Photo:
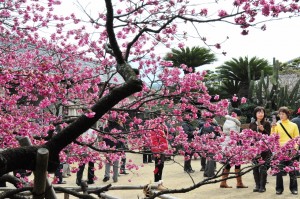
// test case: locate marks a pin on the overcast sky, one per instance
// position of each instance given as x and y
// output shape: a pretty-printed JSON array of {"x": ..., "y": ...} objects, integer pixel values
[{"x": 281, "y": 39}]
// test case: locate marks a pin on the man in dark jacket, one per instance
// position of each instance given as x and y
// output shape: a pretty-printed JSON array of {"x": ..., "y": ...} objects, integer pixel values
[
  {"x": 208, "y": 166},
  {"x": 189, "y": 130},
  {"x": 87, "y": 137},
  {"x": 114, "y": 143}
]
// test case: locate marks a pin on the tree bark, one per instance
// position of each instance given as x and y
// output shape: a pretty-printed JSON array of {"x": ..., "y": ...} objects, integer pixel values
[{"x": 25, "y": 157}]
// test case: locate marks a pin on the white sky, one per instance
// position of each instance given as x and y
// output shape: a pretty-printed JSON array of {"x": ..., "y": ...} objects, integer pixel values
[{"x": 281, "y": 39}]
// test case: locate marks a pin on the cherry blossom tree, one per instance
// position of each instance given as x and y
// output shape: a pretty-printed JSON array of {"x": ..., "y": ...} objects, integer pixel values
[{"x": 50, "y": 62}]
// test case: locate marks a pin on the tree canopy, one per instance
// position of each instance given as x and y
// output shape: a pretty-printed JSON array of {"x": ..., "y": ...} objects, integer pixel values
[{"x": 53, "y": 64}]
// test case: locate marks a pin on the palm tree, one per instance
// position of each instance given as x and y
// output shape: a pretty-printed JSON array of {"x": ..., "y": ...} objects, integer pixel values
[
  {"x": 194, "y": 57},
  {"x": 242, "y": 71}
]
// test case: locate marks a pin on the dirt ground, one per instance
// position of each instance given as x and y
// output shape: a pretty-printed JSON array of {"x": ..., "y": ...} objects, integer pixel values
[{"x": 175, "y": 178}]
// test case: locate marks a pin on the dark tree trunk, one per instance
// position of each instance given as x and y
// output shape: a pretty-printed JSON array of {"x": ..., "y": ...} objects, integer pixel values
[
  {"x": 244, "y": 90},
  {"x": 25, "y": 157}
]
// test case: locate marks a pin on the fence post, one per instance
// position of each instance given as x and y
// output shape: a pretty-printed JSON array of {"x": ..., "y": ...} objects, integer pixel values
[
  {"x": 50, "y": 193},
  {"x": 40, "y": 173}
]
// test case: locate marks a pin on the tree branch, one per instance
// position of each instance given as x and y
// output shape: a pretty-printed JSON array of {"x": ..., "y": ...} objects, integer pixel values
[{"x": 111, "y": 34}]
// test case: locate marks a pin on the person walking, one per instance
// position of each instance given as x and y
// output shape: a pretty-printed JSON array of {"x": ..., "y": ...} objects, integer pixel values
[
  {"x": 232, "y": 123},
  {"x": 91, "y": 173},
  {"x": 66, "y": 170},
  {"x": 159, "y": 145},
  {"x": 88, "y": 137},
  {"x": 208, "y": 125},
  {"x": 58, "y": 175},
  {"x": 122, "y": 146},
  {"x": 286, "y": 130},
  {"x": 262, "y": 126},
  {"x": 114, "y": 126},
  {"x": 189, "y": 129}
]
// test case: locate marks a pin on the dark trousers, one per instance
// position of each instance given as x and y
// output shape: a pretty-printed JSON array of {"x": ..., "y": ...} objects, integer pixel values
[
  {"x": 210, "y": 166},
  {"x": 203, "y": 162},
  {"x": 159, "y": 166},
  {"x": 90, "y": 172},
  {"x": 2, "y": 184},
  {"x": 147, "y": 158},
  {"x": 187, "y": 161},
  {"x": 58, "y": 173},
  {"x": 260, "y": 173},
  {"x": 123, "y": 164},
  {"x": 235, "y": 167},
  {"x": 293, "y": 178}
]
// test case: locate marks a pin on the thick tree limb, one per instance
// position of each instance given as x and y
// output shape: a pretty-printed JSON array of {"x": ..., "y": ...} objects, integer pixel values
[
  {"x": 25, "y": 157},
  {"x": 111, "y": 34}
]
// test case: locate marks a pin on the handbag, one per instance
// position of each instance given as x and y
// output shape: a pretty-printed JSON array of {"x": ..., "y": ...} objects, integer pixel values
[{"x": 285, "y": 131}]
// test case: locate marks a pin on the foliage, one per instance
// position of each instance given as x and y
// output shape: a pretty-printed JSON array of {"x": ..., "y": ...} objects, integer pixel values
[
  {"x": 213, "y": 84},
  {"x": 247, "y": 110},
  {"x": 191, "y": 57},
  {"x": 291, "y": 67},
  {"x": 271, "y": 93},
  {"x": 239, "y": 72}
]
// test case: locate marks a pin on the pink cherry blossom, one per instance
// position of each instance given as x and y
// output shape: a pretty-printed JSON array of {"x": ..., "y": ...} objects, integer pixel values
[
  {"x": 243, "y": 100},
  {"x": 234, "y": 98},
  {"x": 90, "y": 114}
]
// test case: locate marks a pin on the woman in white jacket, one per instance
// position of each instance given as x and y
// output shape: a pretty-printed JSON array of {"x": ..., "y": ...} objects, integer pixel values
[{"x": 232, "y": 123}]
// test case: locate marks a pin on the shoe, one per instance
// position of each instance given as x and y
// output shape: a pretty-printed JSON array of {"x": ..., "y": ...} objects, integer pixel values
[
  {"x": 256, "y": 189},
  {"x": 150, "y": 162},
  {"x": 206, "y": 176},
  {"x": 202, "y": 169},
  {"x": 190, "y": 171},
  {"x": 90, "y": 182},
  {"x": 294, "y": 192},
  {"x": 124, "y": 172},
  {"x": 279, "y": 192},
  {"x": 262, "y": 190},
  {"x": 78, "y": 182},
  {"x": 62, "y": 182},
  {"x": 161, "y": 187},
  {"x": 115, "y": 180},
  {"x": 65, "y": 176},
  {"x": 105, "y": 179}
]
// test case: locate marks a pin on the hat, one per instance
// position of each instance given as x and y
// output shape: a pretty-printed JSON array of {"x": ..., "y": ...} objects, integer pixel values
[
  {"x": 237, "y": 111},
  {"x": 298, "y": 111}
]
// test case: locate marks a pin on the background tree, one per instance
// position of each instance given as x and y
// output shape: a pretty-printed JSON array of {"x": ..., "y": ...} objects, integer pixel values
[
  {"x": 192, "y": 57},
  {"x": 291, "y": 67},
  {"x": 241, "y": 71}
]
